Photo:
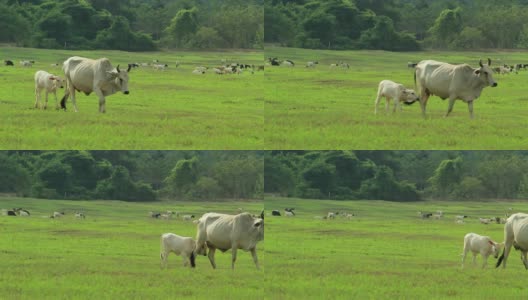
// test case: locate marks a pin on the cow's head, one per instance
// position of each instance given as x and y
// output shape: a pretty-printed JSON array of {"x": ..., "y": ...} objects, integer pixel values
[
  {"x": 485, "y": 73},
  {"x": 495, "y": 248},
  {"x": 409, "y": 96},
  {"x": 121, "y": 78}
]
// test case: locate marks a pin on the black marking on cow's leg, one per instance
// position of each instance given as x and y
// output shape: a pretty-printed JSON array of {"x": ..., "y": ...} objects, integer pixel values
[
  {"x": 63, "y": 102},
  {"x": 193, "y": 260},
  {"x": 500, "y": 259}
]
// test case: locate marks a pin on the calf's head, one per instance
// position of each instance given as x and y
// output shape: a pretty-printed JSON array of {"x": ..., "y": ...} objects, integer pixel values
[
  {"x": 409, "y": 96},
  {"x": 495, "y": 248}
]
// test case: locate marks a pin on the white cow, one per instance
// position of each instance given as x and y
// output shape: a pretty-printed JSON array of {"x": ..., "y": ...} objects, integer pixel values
[
  {"x": 26, "y": 63},
  {"x": 57, "y": 214},
  {"x": 160, "y": 67},
  {"x": 516, "y": 235},
  {"x": 198, "y": 72},
  {"x": 394, "y": 91},
  {"x": 98, "y": 76},
  {"x": 452, "y": 81},
  {"x": 485, "y": 220},
  {"x": 331, "y": 215},
  {"x": 311, "y": 64},
  {"x": 183, "y": 246},
  {"x": 289, "y": 214},
  {"x": 48, "y": 82},
  {"x": 224, "y": 232},
  {"x": 480, "y": 244},
  {"x": 80, "y": 215},
  {"x": 187, "y": 217}
]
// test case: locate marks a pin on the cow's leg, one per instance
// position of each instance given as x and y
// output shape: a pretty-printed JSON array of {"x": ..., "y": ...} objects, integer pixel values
[
  {"x": 56, "y": 100},
  {"x": 211, "y": 257},
  {"x": 46, "y": 104},
  {"x": 484, "y": 260},
  {"x": 525, "y": 262},
  {"x": 470, "y": 108},
  {"x": 423, "y": 101},
  {"x": 474, "y": 259},
  {"x": 255, "y": 258},
  {"x": 102, "y": 105},
  {"x": 163, "y": 263},
  {"x": 37, "y": 96},
  {"x": 464, "y": 256},
  {"x": 376, "y": 103},
  {"x": 72, "y": 92},
  {"x": 233, "y": 257},
  {"x": 184, "y": 260},
  {"x": 450, "y": 108}
]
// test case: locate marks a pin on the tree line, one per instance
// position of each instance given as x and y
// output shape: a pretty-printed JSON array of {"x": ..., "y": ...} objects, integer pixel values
[
  {"x": 132, "y": 25},
  {"x": 397, "y": 175},
  {"x": 397, "y": 25},
  {"x": 132, "y": 175}
]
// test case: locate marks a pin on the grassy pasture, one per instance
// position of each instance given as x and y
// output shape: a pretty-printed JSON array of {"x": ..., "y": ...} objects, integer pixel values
[
  {"x": 114, "y": 253},
  {"x": 385, "y": 252},
  {"x": 170, "y": 109},
  {"x": 323, "y": 108}
]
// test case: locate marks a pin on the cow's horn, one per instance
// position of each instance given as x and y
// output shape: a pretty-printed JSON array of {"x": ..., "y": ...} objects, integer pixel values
[
  {"x": 480, "y": 63},
  {"x": 489, "y": 61},
  {"x": 117, "y": 68},
  {"x": 129, "y": 67},
  {"x": 262, "y": 214}
]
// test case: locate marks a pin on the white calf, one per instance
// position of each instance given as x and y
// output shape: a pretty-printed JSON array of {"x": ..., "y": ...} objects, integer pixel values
[
  {"x": 26, "y": 63},
  {"x": 480, "y": 244},
  {"x": 49, "y": 83},
  {"x": 184, "y": 246},
  {"x": 394, "y": 91},
  {"x": 187, "y": 217}
]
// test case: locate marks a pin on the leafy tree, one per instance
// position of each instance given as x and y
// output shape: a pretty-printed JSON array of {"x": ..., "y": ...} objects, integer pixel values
[{"x": 446, "y": 176}]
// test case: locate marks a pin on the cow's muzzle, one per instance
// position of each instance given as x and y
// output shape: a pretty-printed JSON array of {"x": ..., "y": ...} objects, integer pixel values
[
  {"x": 126, "y": 92},
  {"x": 494, "y": 84}
]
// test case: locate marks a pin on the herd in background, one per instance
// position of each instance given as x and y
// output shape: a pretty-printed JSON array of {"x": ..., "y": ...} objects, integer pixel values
[
  {"x": 290, "y": 212},
  {"x": 461, "y": 219},
  {"x": 20, "y": 212}
]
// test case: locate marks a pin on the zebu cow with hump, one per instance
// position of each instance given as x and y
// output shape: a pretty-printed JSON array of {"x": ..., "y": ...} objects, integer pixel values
[
  {"x": 224, "y": 232},
  {"x": 98, "y": 76},
  {"x": 516, "y": 235},
  {"x": 452, "y": 81}
]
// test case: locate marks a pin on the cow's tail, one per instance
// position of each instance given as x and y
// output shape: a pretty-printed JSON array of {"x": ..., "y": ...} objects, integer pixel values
[
  {"x": 415, "y": 87},
  {"x": 162, "y": 258},
  {"x": 500, "y": 258}
]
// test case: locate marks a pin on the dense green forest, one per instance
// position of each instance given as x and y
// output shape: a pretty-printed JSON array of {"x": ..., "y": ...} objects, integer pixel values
[
  {"x": 397, "y": 175},
  {"x": 134, "y": 25},
  {"x": 133, "y": 175},
  {"x": 397, "y": 24}
]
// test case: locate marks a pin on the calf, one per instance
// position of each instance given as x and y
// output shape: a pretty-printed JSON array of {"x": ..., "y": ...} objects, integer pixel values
[
  {"x": 480, "y": 244},
  {"x": 179, "y": 245},
  {"x": 392, "y": 90},
  {"x": 48, "y": 82}
]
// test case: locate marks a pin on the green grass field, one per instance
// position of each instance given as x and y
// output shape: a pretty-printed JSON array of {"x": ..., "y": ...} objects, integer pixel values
[
  {"x": 114, "y": 253},
  {"x": 323, "y": 108},
  {"x": 173, "y": 109},
  {"x": 385, "y": 252}
]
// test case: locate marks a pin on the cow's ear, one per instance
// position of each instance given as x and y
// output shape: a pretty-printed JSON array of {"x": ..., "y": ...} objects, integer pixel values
[
  {"x": 117, "y": 68},
  {"x": 129, "y": 67},
  {"x": 491, "y": 243}
]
